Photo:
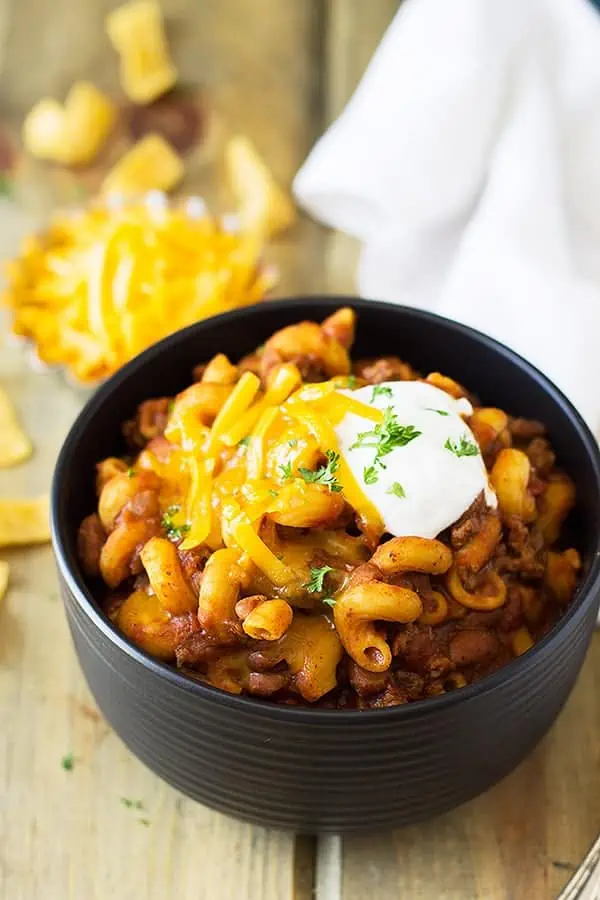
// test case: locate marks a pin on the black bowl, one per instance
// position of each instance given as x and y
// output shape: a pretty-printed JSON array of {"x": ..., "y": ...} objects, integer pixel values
[{"x": 327, "y": 770}]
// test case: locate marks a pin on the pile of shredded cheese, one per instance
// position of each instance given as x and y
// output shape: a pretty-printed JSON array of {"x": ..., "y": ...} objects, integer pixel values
[{"x": 102, "y": 284}]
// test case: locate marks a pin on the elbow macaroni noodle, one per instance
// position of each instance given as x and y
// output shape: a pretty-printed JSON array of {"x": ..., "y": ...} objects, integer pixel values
[{"x": 236, "y": 543}]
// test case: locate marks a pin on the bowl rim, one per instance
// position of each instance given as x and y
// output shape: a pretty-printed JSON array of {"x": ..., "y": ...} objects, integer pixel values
[{"x": 85, "y": 600}]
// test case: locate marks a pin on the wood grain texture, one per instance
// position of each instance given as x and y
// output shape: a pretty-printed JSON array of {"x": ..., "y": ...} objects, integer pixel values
[
  {"x": 67, "y": 834},
  {"x": 523, "y": 839},
  {"x": 278, "y": 70}
]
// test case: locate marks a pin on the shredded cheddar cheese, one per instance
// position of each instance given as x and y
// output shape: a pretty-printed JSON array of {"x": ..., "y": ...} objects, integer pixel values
[
  {"x": 249, "y": 454},
  {"x": 260, "y": 554},
  {"x": 256, "y": 450},
  {"x": 100, "y": 285},
  {"x": 326, "y": 437},
  {"x": 236, "y": 404},
  {"x": 199, "y": 510},
  {"x": 286, "y": 379}
]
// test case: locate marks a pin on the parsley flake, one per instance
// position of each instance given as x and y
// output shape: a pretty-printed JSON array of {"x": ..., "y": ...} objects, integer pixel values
[
  {"x": 370, "y": 475},
  {"x": 317, "y": 577},
  {"x": 381, "y": 390},
  {"x": 329, "y": 601},
  {"x": 131, "y": 472},
  {"x": 325, "y": 474},
  {"x": 440, "y": 412},
  {"x": 144, "y": 821},
  {"x": 464, "y": 447},
  {"x": 244, "y": 441},
  {"x": 386, "y": 436},
  {"x": 174, "y": 532},
  {"x": 170, "y": 406},
  {"x": 132, "y": 804},
  {"x": 293, "y": 442},
  {"x": 286, "y": 471},
  {"x": 352, "y": 381},
  {"x": 67, "y": 762},
  {"x": 273, "y": 493},
  {"x": 396, "y": 489}
]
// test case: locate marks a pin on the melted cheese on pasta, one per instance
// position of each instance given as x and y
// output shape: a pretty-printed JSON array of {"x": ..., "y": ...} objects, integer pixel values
[{"x": 223, "y": 482}]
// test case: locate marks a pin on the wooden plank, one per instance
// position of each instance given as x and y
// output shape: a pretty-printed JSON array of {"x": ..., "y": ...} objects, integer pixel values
[
  {"x": 67, "y": 834},
  {"x": 524, "y": 838}
]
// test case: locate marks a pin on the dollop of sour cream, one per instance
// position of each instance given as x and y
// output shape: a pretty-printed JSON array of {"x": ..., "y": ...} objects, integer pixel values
[{"x": 423, "y": 469}]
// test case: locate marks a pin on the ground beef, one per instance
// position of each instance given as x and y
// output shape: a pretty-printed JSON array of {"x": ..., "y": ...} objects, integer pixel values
[
  {"x": 541, "y": 456},
  {"x": 386, "y": 368},
  {"x": 525, "y": 429},
  {"x": 469, "y": 523},
  {"x": 198, "y": 649},
  {"x": 90, "y": 540},
  {"x": 523, "y": 552},
  {"x": 149, "y": 422}
]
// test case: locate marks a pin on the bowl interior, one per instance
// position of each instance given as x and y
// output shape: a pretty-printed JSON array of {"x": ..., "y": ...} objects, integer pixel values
[{"x": 495, "y": 374}]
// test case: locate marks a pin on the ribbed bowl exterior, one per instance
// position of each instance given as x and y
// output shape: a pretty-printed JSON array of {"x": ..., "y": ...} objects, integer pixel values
[{"x": 319, "y": 770}]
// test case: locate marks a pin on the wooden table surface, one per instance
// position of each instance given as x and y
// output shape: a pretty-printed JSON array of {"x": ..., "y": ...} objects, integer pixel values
[{"x": 278, "y": 70}]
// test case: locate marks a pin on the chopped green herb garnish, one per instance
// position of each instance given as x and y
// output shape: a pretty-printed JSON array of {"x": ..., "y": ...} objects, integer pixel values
[
  {"x": 386, "y": 436},
  {"x": 293, "y": 443},
  {"x": 144, "y": 821},
  {"x": 464, "y": 447},
  {"x": 273, "y": 493},
  {"x": 244, "y": 441},
  {"x": 67, "y": 762},
  {"x": 440, "y": 412},
  {"x": 131, "y": 472},
  {"x": 396, "y": 489},
  {"x": 329, "y": 601},
  {"x": 317, "y": 577},
  {"x": 325, "y": 474},
  {"x": 171, "y": 406},
  {"x": 286, "y": 471},
  {"x": 260, "y": 348},
  {"x": 352, "y": 381},
  {"x": 174, "y": 532},
  {"x": 132, "y": 804},
  {"x": 381, "y": 390},
  {"x": 370, "y": 475}
]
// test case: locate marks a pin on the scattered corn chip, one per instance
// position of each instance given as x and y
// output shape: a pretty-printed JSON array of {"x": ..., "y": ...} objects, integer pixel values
[
  {"x": 90, "y": 118},
  {"x": 45, "y": 133},
  {"x": 71, "y": 134},
  {"x": 15, "y": 446},
  {"x": 263, "y": 205},
  {"x": 100, "y": 286},
  {"x": 136, "y": 31},
  {"x": 4, "y": 572},
  {"x": 24, "y": 521},
  {"x": 149, "y": 165}
]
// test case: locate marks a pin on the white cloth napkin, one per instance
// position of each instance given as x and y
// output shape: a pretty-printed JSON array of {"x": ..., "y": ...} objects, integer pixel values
[{"x": 468, "y": 164}]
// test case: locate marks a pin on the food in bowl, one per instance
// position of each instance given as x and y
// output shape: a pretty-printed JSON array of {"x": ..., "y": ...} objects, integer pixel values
[{"x": 315, "y": 531}]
